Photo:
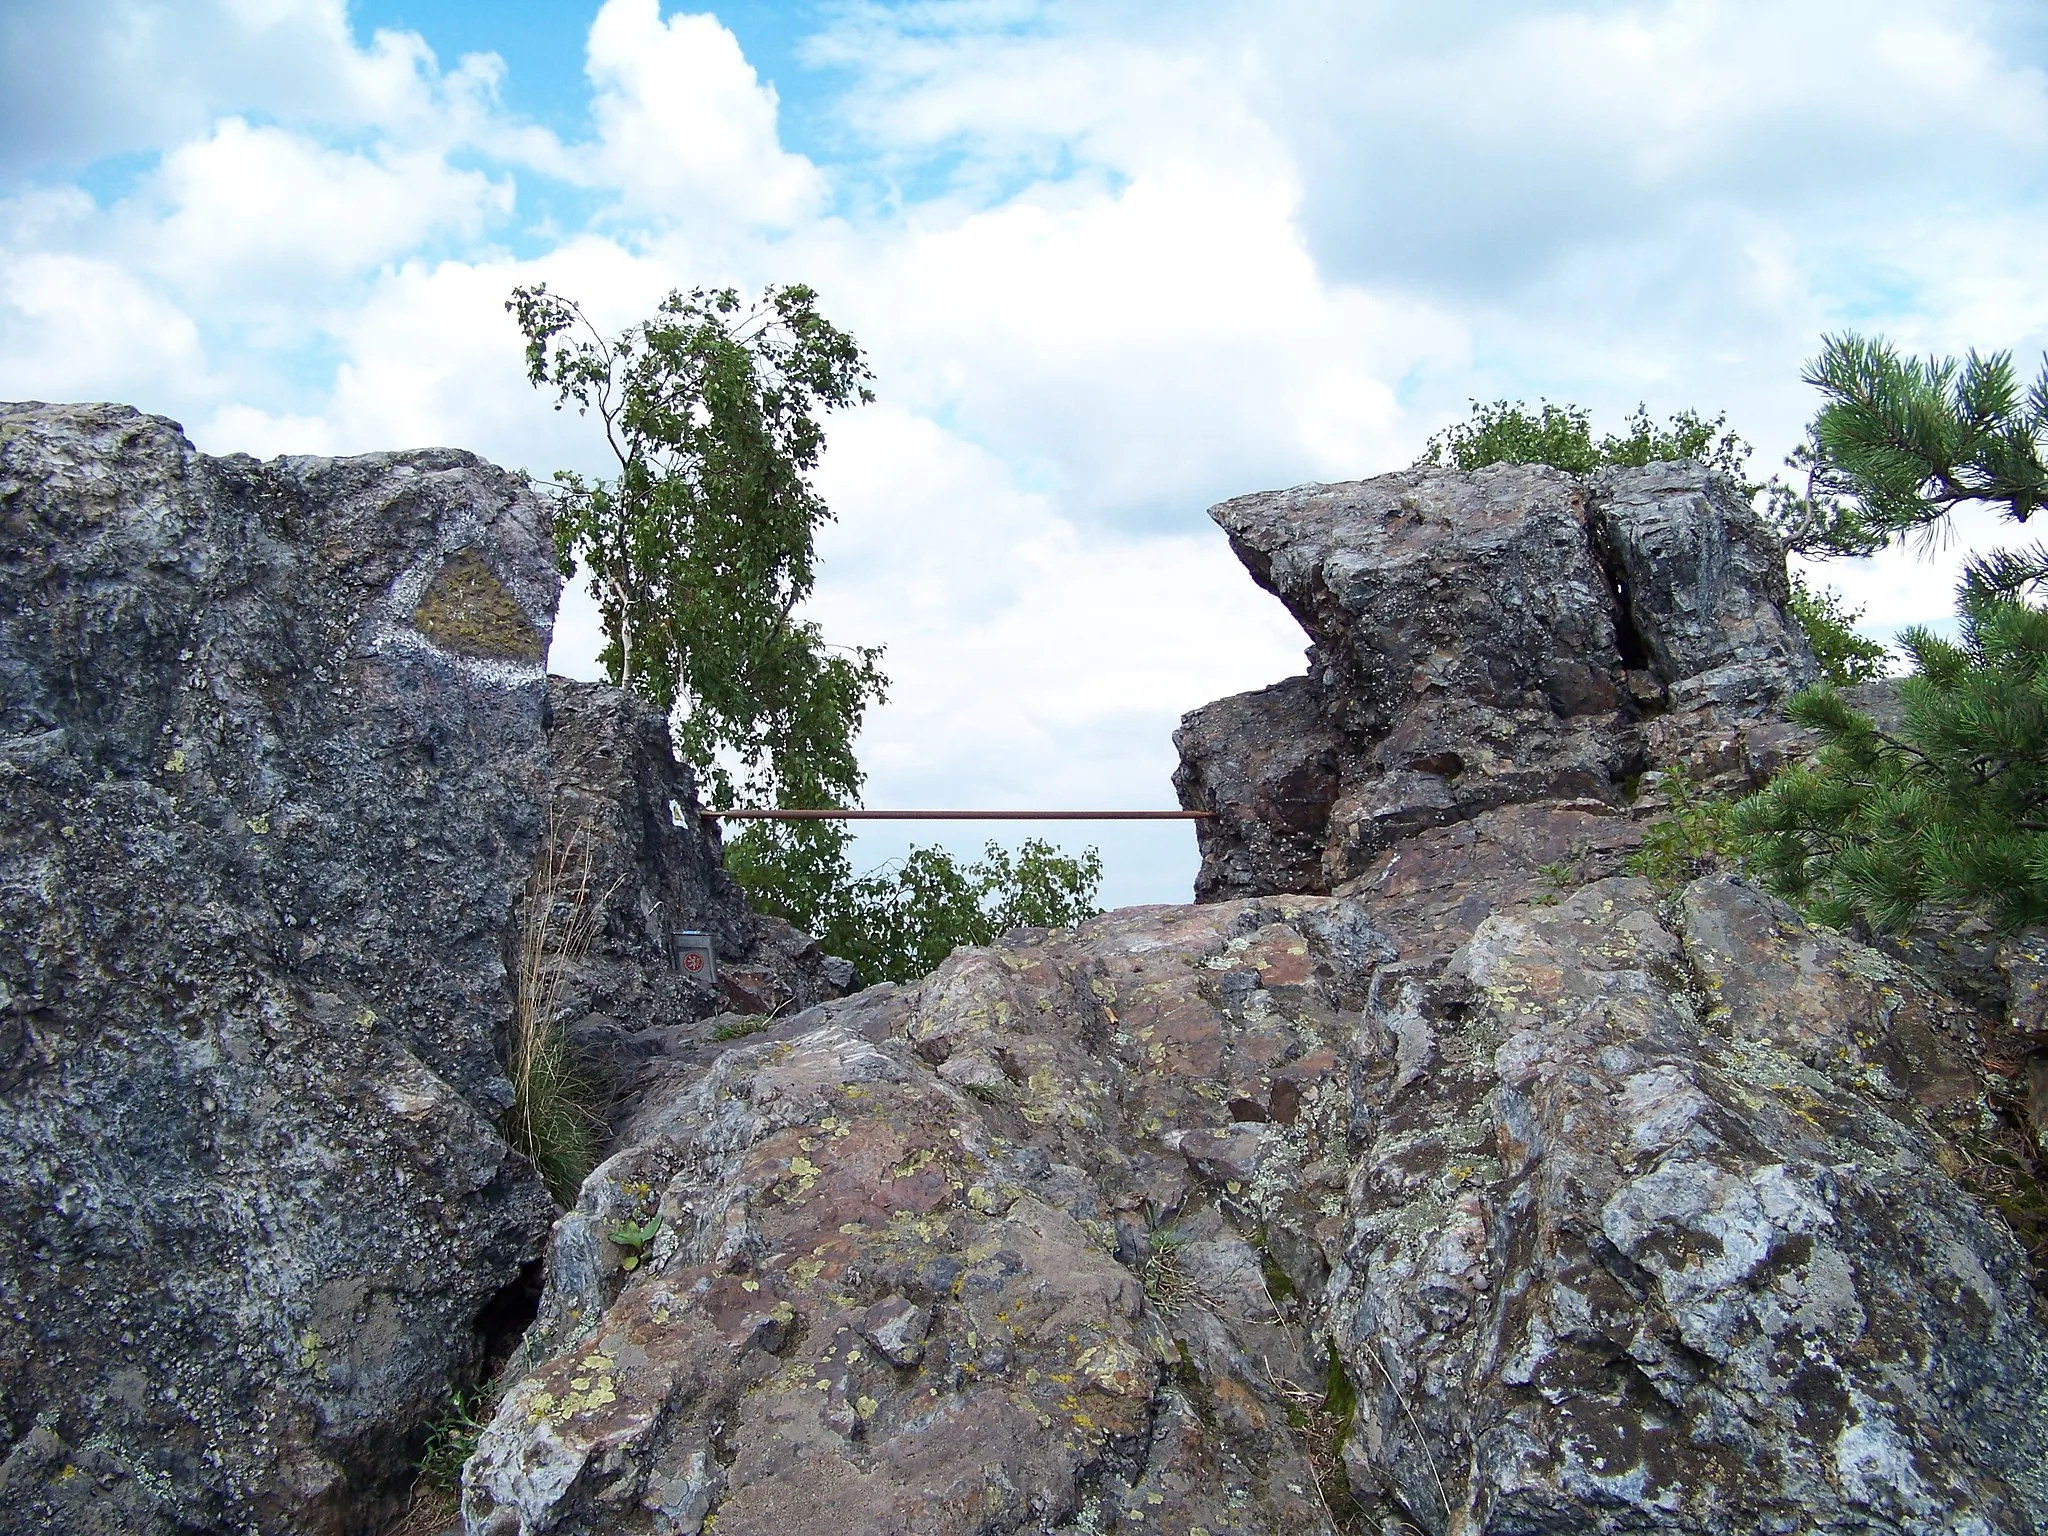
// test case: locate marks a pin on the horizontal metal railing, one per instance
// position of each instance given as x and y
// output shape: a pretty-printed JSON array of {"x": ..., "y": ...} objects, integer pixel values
[{"x": 757, "y": 814}]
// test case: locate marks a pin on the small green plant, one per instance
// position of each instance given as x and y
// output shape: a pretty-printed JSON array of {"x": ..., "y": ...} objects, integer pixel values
[
  {"x": 636, "y": 1237},
  {"x": 551, "y": 1120},
  {"x": 1846, "y": 658},
  {"x": 739, "y": 1026},
  {"x": 1696, "y": 837},
  {"x": 452, "y": 1435}
]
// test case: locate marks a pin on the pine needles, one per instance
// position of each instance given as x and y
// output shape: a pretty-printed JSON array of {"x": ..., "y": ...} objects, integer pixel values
[
  {"x": 1954, "y": 808},
  {"x": 551, "y": 1120}
]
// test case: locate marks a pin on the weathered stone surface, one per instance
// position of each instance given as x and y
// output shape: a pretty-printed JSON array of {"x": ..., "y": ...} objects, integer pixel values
[
  {"x": 1621, "y": 1220},
  {"x": 260, "y": 840},
  {"x": 1659, "y": 1239},
  {"x": 1480, "y": 641},
  {"x": 832, "y": 1175},
  {"x": 1703, "y": 583},
  {"x": 1272, "y": 765}
]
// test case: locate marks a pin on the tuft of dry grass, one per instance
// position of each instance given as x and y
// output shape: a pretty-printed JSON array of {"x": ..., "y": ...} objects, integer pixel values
[
  {"x": 551, "y": 1120},
  {"x": 1167, "y": 1285},
  {"x": 432, "y": 1512}
]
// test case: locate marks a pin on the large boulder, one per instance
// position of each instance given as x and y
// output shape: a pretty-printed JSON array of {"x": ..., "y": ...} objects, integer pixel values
[
  {"x": 272, "y": 777},
  {"x": 1496, "y": 658},
  {"x": 1230, "y": 1218}
]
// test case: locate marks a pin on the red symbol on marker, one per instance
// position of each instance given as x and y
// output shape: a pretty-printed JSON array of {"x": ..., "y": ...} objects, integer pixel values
[{"x": 693, "y": 961}]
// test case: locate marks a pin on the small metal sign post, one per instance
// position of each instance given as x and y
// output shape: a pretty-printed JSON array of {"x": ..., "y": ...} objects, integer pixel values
[{"x": 695, "y": 957}]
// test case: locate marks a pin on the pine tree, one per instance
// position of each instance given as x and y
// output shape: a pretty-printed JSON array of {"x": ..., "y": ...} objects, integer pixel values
[{"x": 1953, "y": 807}]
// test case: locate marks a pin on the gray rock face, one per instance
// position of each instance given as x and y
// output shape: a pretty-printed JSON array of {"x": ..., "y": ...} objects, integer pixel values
[
  {"x": 271, "y": 778},
  {"x": 1659, "y": 1239},
  {"x": 1703, "y": 582},
  {"x": 1510, "y": 638},
  {"x": 1272, "y": 764},
  {"x": 1626, "y": 1218},
  {"x": 628, "y": 813}
]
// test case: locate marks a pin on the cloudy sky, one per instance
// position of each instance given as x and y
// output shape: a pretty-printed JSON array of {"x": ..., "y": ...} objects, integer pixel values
[{"x": 1111, "y": 262}]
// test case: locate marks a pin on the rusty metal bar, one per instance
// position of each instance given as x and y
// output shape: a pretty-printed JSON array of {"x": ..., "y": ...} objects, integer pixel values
[{"x": 777, "y": 815}]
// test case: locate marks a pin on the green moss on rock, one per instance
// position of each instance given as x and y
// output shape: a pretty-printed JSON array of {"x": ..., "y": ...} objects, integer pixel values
[{"x": 468, "y": 611}]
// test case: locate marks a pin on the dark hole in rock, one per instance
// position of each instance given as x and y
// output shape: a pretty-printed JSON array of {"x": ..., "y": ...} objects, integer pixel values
[
  {"x": 1445, "y": 765},
  {"x": 507, "y": 1315},
  {"x": 1247, "y": 1109}
]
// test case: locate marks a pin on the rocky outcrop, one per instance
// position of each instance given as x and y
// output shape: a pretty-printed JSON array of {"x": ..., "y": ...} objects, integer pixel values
[
  {"x": 1663, "y": 1240},
  {"x": 1496, "y": 658},
  {"x": 1625, "y": 1218},
  {"x": 272, "y": 776},
  {"x": 1492, "y": 1193},
  {"x": 1488, "y": 1194},
  {"x": 626, "y": 822}
]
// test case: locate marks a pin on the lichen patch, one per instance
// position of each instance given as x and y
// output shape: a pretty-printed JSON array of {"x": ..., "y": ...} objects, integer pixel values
[{"x": 467, "y": 610}]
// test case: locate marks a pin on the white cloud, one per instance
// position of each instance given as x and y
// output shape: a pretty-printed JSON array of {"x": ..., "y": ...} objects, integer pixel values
[
  {"x": 81, "y": 328},
  {"x": 686, "y": 129},
  {"x": 1443, "y": 153},
  {"x": 84, "y": 78},
  {"x": 255, "y": 210},
  {"x": 1035, "y": 662}
]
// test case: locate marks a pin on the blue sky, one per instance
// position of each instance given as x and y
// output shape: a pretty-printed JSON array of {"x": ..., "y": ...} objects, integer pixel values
[{"x": 1112, "y": 263}]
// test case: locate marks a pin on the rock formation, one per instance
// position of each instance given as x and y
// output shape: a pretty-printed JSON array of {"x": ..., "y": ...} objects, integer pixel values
[
  {"x": 1628, "y": 1219},
  {"x": 626, "y": 815},
  {"x": 277, "y": 760},
  {"x": 1492, "y": 1193},
  {"x": 1496, "y": 658},
  {"x": 270, "y": 741},
  {"x": 1429, "y": 1176}
]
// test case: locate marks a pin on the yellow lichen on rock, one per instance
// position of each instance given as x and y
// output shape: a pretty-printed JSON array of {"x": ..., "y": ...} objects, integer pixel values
[{"x": 468, "y": 611}]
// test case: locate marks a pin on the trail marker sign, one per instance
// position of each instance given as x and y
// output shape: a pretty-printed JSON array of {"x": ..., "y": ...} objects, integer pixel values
[{"x": 695, "y": 957}]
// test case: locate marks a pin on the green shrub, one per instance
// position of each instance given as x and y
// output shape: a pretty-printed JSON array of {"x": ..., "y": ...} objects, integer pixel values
[
  {"x": 1846, "y": 658},
  {"x": 1509, "y": 432},
  {"x": 898, "y": 923},
  {"x": 1696, "y": 837},
  {"x": 1954, "y": 806},
  {"x": 552, "y": 1120}
]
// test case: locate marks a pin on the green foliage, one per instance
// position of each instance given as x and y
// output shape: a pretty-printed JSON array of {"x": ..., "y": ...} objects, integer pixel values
[
  {"x": 900, "y": 922},
  {"x": 701, "y": 548},
  {"x": 1562, "y": 436},
  {"x": 635, "y": 1237},
  {"x": 1845, "y": 657},
  {"x": 1952, "y": 809},
  {"x": 452, "y": 1436},
  {"x": 552, "y": 1120},
  {"x": 1695, "y": 837},
  {"x": 700, "y": 552},
  {"x": 1508, "y": 433},
  {"x": 1901, "y": 442}
]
